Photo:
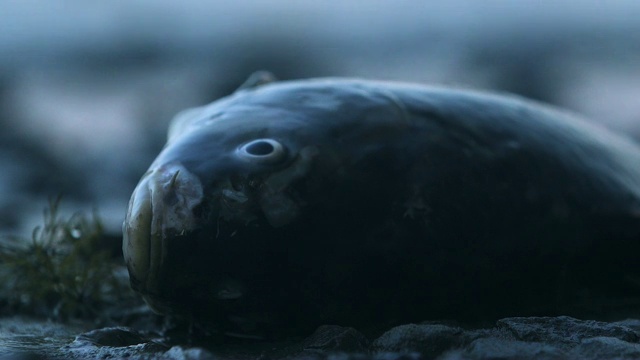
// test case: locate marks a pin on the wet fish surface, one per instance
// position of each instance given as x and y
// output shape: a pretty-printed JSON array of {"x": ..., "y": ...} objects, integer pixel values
[{"x": 292, "y": 204}]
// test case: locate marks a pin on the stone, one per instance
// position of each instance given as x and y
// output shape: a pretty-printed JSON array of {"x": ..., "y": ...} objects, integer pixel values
[
  {"x": 112, "y": 342},
  {"x": 182, "y": 353},
  {"x": 563, "y": 330},
  {"x": 429, "y": 340},
  {"x": 633, "y": 324},
  {"x": 112, "y": 336},
  {"x": 606, "y": 348},
  {"x": 497, "y": 348},
  {"x": 335, "y": 338}
]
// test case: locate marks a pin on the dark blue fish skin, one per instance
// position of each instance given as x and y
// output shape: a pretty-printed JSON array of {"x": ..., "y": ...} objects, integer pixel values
[{"x": 392, "y": 203}]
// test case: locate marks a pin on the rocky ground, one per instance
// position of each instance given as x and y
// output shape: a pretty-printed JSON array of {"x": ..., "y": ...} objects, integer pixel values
[{"x": 510, "y": 338}]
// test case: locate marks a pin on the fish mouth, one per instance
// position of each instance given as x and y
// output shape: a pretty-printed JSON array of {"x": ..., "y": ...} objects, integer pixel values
[
  {"x": 160, "y": 208},
  {"x": 177, "y": 233}
]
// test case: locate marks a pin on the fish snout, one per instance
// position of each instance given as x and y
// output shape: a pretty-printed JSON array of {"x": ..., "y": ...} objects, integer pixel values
[{"x": 160, "y": 209}]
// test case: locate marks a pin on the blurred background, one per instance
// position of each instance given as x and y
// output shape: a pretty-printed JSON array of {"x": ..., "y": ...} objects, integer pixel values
[{"x": 87, "y": 88}]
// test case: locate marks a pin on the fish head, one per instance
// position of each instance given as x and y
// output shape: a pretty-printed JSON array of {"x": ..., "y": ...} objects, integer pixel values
[{"x": 206, "y": 223}]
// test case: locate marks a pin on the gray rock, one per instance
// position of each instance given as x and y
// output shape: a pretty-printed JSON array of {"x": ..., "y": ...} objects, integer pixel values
[
  {"x": 113, "y": 342},
  {"x": 563, "y": 330},
  {"x": 428, "y": 340},
  {"x": 112, "y": 336},
  {"x": 334, "y": 338},
  {"x": 181, "y": 353},
  {"x": 550, "y": 338},
  {"x": 633, "y": 324},
  {"x": 606, "y": 348},
  {"x": 497, "y": 348}
]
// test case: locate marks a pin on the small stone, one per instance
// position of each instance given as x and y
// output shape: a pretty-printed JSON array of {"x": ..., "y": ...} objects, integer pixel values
[
  {"x": 428, "y": 340},
  {"x": 633, "y": 324},
  {"x": 563, "y": 330},
  {"x": 180, "y": 353},
  {"x": 112, "y": 342},
  {"x": 333, "y": 338},
  {"x": 606, "y": 348},
  {"x": 496, "y": 348},
  {"x": 112, "y": 336}
]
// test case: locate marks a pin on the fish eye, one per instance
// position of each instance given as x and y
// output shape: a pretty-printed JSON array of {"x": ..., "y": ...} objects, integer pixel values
[{"x": 266, "y": 151}]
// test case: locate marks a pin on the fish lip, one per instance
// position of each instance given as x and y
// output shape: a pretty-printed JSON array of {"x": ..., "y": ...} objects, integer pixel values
[
  {"x": 136, "y": 234},
  {"x": 161, "y": 206}
]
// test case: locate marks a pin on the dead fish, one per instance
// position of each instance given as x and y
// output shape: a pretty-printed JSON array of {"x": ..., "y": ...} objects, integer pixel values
[{"x": 292, "y": 204}]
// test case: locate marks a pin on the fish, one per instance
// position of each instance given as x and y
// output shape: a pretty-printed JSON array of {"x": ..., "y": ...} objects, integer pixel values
[{"x": 291, "y": 204}]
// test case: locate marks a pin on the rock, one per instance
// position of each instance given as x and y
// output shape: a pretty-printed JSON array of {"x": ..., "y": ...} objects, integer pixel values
[
  {"x": 123, "y": 342},
  {"x": 428, "y": 340},
  {"x": 605, "y": 348},
  {"x": 564, "y": 330},
  {"x": 497, "y": 348},
  {"x": 112, "y": 336},
  {"x": 551, "y": 338},
  {"x": 633, "y": 324},
  {"x": 181, "y": 353},
  {"x": 332, "y": 338},
  {"x": 112, "y": 342}
]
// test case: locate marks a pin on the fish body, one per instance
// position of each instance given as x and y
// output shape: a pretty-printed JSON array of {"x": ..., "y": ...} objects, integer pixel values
[{"x": 293, "y": 204}]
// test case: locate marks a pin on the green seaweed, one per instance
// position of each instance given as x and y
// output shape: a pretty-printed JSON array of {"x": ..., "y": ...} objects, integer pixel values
[{"x": 61, "y": 272}]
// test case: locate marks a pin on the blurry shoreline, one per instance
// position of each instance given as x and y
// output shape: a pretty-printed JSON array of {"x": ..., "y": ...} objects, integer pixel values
[{"x": 87, "y": 89}]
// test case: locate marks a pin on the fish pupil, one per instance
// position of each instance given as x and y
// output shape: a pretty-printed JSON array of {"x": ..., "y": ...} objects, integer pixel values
[{"x": 260, "y": 148}]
